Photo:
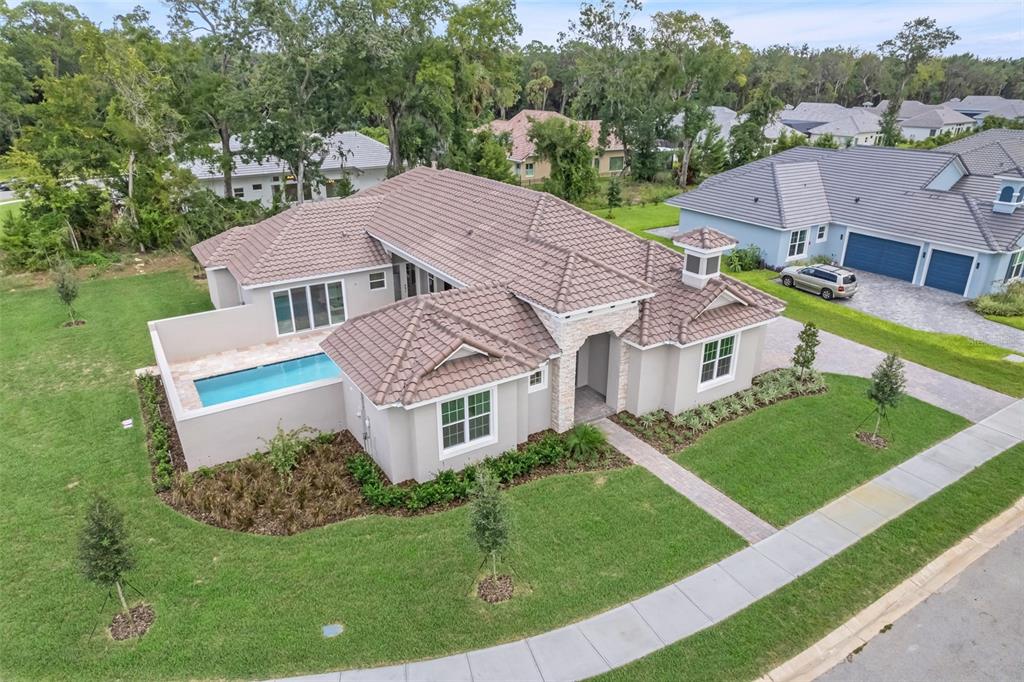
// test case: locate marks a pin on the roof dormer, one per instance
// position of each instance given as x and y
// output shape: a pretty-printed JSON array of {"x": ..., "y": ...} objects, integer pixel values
[
  {"x": 704, "y": 248},
  {"x": 1010, "y": 196}
]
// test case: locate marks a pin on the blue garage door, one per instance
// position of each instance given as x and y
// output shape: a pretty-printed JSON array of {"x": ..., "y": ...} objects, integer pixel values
[
  {"x": 948, "y": 271},
  {"x": 884, "y": 256}
]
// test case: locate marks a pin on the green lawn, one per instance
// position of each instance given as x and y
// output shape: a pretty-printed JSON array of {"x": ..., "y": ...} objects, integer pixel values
[
  {"x": 1015, "y": 321},
  {"x": 776, "y": 628},
  {"x": 231, "y": 605},
  {"x": 787, "y": 460},
  {"x": 11, "y": 207},
  {"x": 639, "y": 219},
  {"x": 971, "y": 360}
]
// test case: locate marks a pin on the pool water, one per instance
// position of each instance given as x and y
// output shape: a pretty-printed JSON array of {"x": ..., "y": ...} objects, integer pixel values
[{"x": 249, "y": 382}]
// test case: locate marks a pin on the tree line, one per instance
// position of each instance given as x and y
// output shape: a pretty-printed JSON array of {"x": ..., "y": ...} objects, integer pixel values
[{"x": 95, "y": 122}]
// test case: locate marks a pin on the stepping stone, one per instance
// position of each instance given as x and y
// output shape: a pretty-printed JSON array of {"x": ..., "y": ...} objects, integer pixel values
[
  {"x": 620, "y": 635},
  {"x": 904, "y": 482},
  {"x": 670, "y": 614},
  {"x": 884, "y": 501},
  {"x": 511, "y": 661},
  {"x": 394, "y": 673},
  {"x": 823, "y": 533},
  {"x": 756, "y": 572},
  {"x": 929, "y": 470},
  {"x": 790, "y": 552},
  {"x": 715, "y": 592},
  {"x": 451, "y": 669},
  {"x": 565, "y": 654}
]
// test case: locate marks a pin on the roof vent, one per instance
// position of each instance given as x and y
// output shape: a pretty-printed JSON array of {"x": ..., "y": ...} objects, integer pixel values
[
  {"x": 755, "y": 200},
  {"x": 856, "y": 200},
  {"x": 469, "y": 232}
]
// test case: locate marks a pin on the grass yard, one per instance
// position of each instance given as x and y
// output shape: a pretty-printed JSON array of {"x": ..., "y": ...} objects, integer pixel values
[
  {"x": 9, "y": 208},
  {"x": 776, "y": 628},
  {"x": 638, "y": 219},
  {"x": 1013, "y": 321},
  {"x": 974, "y": 361},
  {"x": 788, "y": 459},
  {"x": 232, "y": 605}
]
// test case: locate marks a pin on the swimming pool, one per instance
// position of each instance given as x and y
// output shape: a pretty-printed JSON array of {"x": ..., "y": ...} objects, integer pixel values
[{"x": 249, "y": 382}]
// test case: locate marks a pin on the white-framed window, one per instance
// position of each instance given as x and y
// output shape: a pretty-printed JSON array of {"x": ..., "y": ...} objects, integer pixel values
[
  {"x": 466, "y": 420},
  {"x": 529, "y": 170},
  {"x": 378, "y": 280},
  {"x": 538, "y": 380},
  {"x": 797, "y": 244},
  {"x": 822, "y": 233},
  {"x": 516, "y": 167},
  {"x": 616, "y": 163},
  {"x": 717, "y": 361},
  {"x": 239, "y": 192},
  {"x": 1016, "y": 266},
  {"x": 312, "y": 306},
  {"x": 431, "y": 284}
]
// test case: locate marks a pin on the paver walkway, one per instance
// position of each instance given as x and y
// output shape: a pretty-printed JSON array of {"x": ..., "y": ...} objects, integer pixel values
[
  {"x": 842, "y": 356},
  {"x": 628, "y": 632},
  {"x": 709, "y": 498}
]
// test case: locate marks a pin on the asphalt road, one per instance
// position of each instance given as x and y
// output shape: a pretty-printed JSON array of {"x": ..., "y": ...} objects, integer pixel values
[{"x": 972, "y": 630}]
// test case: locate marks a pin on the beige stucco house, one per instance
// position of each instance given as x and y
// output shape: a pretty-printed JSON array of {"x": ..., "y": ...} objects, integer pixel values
[
  {"x": 529, "y": 168},
  {"x": 442, "y": 318}
]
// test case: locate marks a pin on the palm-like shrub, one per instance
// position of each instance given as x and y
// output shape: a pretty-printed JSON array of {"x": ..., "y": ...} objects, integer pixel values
[{"x": 585, "y": 442}]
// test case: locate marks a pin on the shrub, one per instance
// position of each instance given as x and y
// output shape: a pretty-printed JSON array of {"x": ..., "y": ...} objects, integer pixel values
[
  {"x": 585, "y": 442},
  {"x": 1006, "y": 303},
  {"x": 285, "y": 448},
  {"x": 749, "y": 257}
]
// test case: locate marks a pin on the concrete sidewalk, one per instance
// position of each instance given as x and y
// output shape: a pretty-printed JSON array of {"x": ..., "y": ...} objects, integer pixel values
[
  {"x": 628, "y": 632},
  {"x": 842, "y": 356}
]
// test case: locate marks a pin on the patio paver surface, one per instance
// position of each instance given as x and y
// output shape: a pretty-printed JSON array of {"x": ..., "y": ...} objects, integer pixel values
[{"x": 652, "y": 621}]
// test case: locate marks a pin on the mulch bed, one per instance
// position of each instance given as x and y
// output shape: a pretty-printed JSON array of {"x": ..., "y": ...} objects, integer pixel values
[
  {"x": 872, "y": 441},
  {"x": 142, "y": 617},
  {"x": 495, "y": 589}
]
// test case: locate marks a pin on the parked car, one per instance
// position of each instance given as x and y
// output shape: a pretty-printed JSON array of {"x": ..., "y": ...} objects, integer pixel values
[
  {"x": 828, "y": 281},
  {"x": 4, "y": 187}
]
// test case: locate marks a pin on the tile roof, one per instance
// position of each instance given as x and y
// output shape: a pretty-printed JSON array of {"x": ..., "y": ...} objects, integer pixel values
[
  {"x": 856, "y": 122},
  {"x": 706, "y": 238},
  {"x": 307, "y": 240},
  {"x": 877, "y": 187},
  {"x": 397, "y": 354},
  {"x": 980, "y": 103},
  {"x": 350, "y": 149},
  {"x": 936, "y": 117},
  {"x": 518, "y": 128}
]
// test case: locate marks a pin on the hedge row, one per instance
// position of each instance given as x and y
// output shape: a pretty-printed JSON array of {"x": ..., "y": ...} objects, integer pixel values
[{"x": 159, "y": 436}]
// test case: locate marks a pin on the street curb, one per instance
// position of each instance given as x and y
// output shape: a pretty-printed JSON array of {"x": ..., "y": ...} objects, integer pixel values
[{"x": 845, "y": 640}]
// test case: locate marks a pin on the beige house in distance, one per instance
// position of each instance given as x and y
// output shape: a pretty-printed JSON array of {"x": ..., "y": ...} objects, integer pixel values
[
  {"x": 442, "y": 318},
  {"x": 525, "y": 164}
]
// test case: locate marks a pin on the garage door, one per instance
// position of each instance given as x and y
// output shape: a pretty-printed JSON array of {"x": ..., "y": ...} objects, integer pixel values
[
  {"x": 884, "y": 256},
  {"x": 948, "y": 271}
]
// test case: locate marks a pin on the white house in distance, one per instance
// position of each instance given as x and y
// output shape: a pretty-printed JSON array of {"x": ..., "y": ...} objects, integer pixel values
[
  {"x": 726, "y": 119},
  {"x": 848, "y": 127},
  {"x": 362, "y": 159},
  {"x": 979, "y": 107},
  {"x": 919, "y": 121}
]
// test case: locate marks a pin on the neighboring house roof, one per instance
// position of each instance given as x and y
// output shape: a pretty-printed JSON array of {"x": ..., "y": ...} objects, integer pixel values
[
  {"x": 403, "y": 353},
  {"x": 351, "y": 150},
  {"x": 869, "y": 187},
  {"x": 991, "y": 152},
  {"x": 820, "y": 112},
  {"x": 857, "y": 122},
  {"x": 1011, "y": 109},
  {"x": 984, "y": 104},
  {"x": 705, "y": 238},
  {"x": 936, "y": 117},
  {"x": 726, "y": 119},
  {"x": 518, "y": 128},
  {"x": 307, "y": 240}
]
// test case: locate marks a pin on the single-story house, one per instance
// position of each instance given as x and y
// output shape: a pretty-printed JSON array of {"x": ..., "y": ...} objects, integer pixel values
[
  {"x": 442, "y": 318},
  {"x": 363, "y": 160},
  {"x": 978, "y": 107},
  {"x": 919, "y": 121},
  {"x": 949, "y": 218},
  {"x": 848, "y": 127},
  {"x": 529, "y": 168}
]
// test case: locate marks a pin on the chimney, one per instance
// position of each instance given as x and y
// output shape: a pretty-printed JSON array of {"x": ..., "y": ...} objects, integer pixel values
[
  {"x": 1010, "y": 196},
  {"x": 704, "y": 248}
]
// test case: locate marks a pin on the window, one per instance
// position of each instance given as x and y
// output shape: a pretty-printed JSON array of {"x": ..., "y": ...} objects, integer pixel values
[
  {"x": 597, "y": 163},
  {"x": 797, "y": 243},
  {"x": 1016, "y": 270},
  {"x": 717, "y": 359},
  {"x": 447, "y": 286},
  {"x": 465, "y": 419},
  {"x": 431, "y": 283},
  {"x": 529, "y": 170},
  {"x": 516, "y": 167},
  {"x": 257, "y": 187},
  {"x": 309, "y": 307},
  {"x": 615, "y": 163},
  {"x": 538, "y": 380},
  {"x": 239, "y": 192},
  {"x": 1006, "y": 194},
  {"x": 276, "y": 178},
  {"x": 693, "y": 264},
  {"x": 711, "y": 265},
  {"x": 378, "y": 280},
  {"x": 822, "y": 232}
]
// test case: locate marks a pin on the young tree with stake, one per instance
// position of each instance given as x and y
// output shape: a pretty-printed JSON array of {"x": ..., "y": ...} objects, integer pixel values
[
  {"x": 888, "y": 385},
  {"x": 67, "y": 289},
  {"x": 806, "y": 351},
  {"x": 489, "y": 519},
  {"x": 104, "y": 552}
]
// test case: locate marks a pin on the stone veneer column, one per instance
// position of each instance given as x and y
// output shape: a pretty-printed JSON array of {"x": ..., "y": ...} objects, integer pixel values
[
  {"x": 570, "y": 335},
  {"x": 624, "y": 351}
]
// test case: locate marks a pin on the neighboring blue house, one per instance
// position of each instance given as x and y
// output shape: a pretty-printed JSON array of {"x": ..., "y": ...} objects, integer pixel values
[{"x": 950, "y": 218}]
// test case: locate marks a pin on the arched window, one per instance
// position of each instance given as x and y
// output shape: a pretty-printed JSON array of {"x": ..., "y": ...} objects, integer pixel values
[{"x": 1006, "y": 194}]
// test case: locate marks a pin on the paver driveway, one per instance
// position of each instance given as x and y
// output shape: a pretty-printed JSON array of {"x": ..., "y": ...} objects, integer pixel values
[
  {"x": 928, "y": 309},
  {"x": 842, "y": 356}
]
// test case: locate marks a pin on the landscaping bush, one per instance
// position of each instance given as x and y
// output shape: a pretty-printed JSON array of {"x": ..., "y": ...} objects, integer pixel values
[
  {"x": 159, "y": 441},
  {"x": 585, "y": 443},
  {"x": 670, "y": 433},
  {"x": 1006, "y": 303},
  {"x": 285, "y": 448},
  {"x": 746, "y": 258}
]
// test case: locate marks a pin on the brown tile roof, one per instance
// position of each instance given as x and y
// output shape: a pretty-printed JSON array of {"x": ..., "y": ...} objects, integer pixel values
[
  {"x": 396, "y": 354},
  {"x": 518, "y": 128},
  {"x": 704, "y": 238},
  {"x": 307, "y": 240}
]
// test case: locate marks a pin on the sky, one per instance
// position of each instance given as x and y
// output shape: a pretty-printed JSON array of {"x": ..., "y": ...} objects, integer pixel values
[{"x": 988, "y": 28}]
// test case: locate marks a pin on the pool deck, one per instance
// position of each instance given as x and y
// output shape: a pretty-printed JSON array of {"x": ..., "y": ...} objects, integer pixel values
[{"x": 285, "y": 348}]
